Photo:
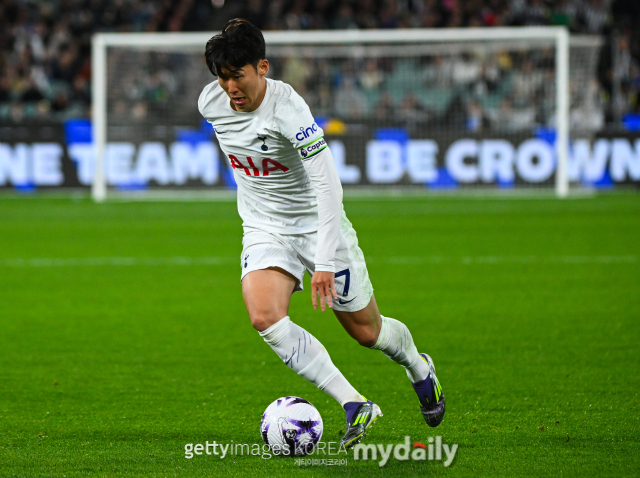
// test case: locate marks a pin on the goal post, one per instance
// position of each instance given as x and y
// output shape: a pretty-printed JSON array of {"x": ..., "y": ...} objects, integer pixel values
[
  {"x": 125, "y": 105},
  {"x": 562, "y": 105},
  {"x": 99, "y": 114}
]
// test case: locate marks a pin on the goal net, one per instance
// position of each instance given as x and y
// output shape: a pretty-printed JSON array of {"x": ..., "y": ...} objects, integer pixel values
[{"x": 451, "y": 109}]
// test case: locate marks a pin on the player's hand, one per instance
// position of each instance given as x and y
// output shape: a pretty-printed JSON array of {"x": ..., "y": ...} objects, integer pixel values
[{"x": 323, "y": 284}]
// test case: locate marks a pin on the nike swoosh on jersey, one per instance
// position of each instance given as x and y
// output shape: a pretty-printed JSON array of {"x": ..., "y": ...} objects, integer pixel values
[{"x": 342, "y": 302}]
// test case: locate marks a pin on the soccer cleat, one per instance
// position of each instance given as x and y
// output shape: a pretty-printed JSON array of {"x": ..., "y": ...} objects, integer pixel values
[
  {"x": 360, "y": 416},
  {"x": 432, "y": 402}
]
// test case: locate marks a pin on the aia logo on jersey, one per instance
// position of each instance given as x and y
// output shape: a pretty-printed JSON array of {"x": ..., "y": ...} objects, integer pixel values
[
  {"x": 306, "y": 132},
  {"x": 268, "y": 165}
]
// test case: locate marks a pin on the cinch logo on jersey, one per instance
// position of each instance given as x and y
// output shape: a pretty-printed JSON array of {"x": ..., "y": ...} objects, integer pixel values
[
  {"x": 306, "y": 132},
  {"x": 268, "y": 165},
  {"x": 313, "y": 148}
]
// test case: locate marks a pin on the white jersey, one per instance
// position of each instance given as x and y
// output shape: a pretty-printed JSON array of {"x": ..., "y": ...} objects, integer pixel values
[{"x": 265, "y": 148}]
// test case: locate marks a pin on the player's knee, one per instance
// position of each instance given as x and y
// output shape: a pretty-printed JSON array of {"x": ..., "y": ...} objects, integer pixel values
[
  {"x": 367, "y": 338},
  {"x": 261, "y": 320},
  {"x": 260, "y": 323}
]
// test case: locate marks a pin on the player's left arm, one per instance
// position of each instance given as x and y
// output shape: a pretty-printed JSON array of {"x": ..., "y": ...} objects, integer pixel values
[
  {"x": 295, "y": 122},
  {"x": 324, "y": 177}
]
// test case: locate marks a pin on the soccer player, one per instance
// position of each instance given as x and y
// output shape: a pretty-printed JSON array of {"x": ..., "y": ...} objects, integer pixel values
[{"x": 290, "y": 201}]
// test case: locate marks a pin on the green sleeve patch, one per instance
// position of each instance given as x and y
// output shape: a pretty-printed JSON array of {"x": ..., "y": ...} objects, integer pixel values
[{"x": 310, "y": 150}]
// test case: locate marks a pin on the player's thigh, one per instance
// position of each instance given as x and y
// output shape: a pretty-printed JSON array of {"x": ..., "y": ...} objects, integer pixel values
[
  {"x": 271, "y": 272},
  {"x": 266, "y": 294},
  {"x": 364, "y": 324}
]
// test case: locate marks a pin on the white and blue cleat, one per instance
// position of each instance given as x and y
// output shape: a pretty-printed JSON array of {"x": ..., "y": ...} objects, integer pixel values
[
  {"x": 429, "y": 391},
  {"x": 360, "y": 416}
]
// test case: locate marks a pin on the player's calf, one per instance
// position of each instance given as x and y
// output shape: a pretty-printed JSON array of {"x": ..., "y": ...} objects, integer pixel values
[
  {"x": 362, "y": 325},
  {"x": 305, "y": 355}
]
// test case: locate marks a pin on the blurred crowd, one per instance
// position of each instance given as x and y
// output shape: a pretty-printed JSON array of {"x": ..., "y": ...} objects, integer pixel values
[
  {"x": 585, "y": 16},
  {"x": 487, "y": 89},
  {"x": 45, "y": 67},
  {"x": 45, "y": 48}
]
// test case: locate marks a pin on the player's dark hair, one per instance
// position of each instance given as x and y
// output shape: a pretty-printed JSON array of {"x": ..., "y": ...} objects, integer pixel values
[{"x": 239, "y": 44}]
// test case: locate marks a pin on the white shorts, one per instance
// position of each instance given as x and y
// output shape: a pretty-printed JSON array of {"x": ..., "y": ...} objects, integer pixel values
[{"x": 295, "y": 254}]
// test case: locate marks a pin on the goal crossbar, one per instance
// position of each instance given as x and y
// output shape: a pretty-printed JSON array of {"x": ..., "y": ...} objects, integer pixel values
[{"x": 558, "y": 35}]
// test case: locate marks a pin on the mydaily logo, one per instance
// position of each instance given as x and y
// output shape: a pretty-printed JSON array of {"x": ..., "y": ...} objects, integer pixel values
[{"x": 405, "y": 451}]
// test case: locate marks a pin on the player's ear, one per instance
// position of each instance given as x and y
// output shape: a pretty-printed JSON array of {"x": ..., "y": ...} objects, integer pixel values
[{"x": 263, "y": 67}]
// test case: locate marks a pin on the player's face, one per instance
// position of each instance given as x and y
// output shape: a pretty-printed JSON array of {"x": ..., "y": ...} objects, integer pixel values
[{"x": 246, "y": 86}]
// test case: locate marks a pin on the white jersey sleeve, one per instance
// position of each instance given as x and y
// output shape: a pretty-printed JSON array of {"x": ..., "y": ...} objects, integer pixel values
[
  {"x": 295, "y": 122},
  {"x": 326, "y": 183}
]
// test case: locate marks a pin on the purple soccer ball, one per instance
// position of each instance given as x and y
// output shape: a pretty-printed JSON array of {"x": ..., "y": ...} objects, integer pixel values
[{"x": 291, "y": 426}]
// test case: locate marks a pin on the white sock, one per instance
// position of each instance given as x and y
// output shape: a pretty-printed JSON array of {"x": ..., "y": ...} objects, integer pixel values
[
  {"x": 306, "y": 356},
  {"x": 396, "y": 343}
]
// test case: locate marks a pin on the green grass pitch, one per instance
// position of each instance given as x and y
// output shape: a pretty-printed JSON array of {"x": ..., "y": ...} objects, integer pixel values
[{"x": 123, "y": 337}]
